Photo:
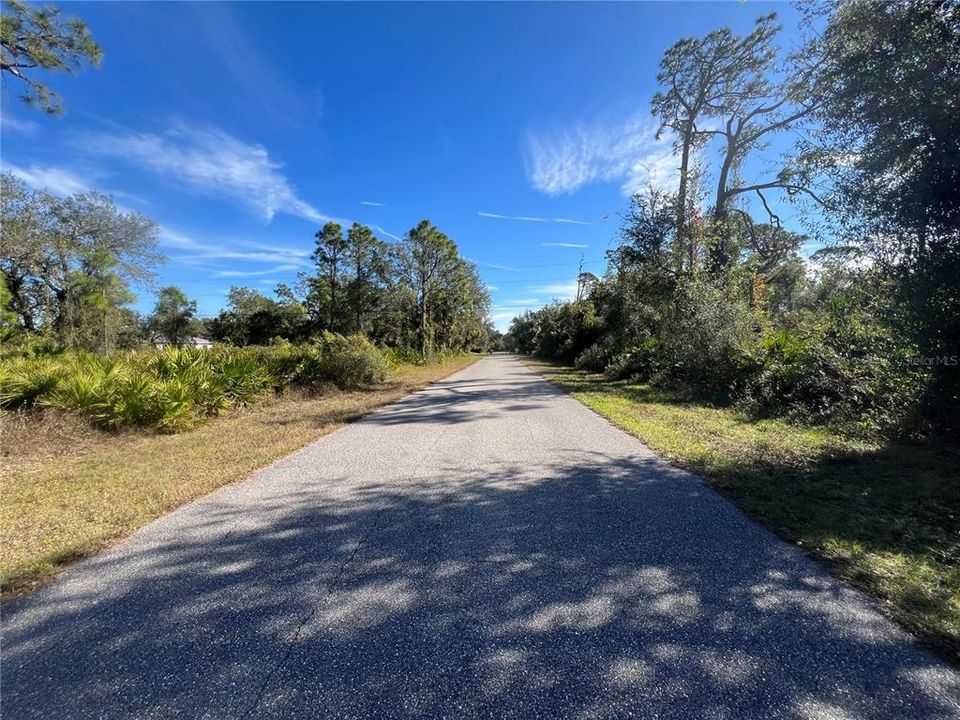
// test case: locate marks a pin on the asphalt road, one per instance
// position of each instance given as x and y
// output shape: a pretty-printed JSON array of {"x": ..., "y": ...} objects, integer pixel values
[{"x": 485, "y": 548}]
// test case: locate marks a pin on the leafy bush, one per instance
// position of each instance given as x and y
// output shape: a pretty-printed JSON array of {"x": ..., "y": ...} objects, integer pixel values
[
  {"x": 172, "y": 389},
  {"x": 705, "y": 340},
  {"x": 841, "y": 370},
  {"x": 639, "y": 363},
  {"x": 351, "y": 361},
  {"x": 595, "y": 358},
  {"x": 404, "y": 356},
  {"x": 239, "y": 377},
  {"x": 29, "y": 345}
]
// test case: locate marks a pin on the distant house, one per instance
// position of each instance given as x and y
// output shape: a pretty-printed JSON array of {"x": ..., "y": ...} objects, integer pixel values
[{"x": 161, "y": 342}]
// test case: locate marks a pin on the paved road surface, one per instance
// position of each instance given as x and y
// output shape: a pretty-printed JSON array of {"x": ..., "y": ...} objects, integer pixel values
[{"x": 485, "y": 548}]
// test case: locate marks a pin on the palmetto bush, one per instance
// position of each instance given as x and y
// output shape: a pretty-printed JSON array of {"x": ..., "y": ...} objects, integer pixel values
[
  {"x": 24, "y": 382},
  {"x": 173, "y": 389}
]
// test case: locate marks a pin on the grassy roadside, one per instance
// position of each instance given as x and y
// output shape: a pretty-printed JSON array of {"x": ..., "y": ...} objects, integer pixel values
[
  {"x": 67, "y": 490},
  {"x": 885, "y": 517}
]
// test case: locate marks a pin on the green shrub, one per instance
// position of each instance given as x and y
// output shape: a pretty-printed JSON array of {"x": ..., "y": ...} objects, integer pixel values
[
  {"x": 30, "y": 345},
  {"x": 240, "y": 377},
  {"x": 132, "y": 399},
  {"x": 705, "y": 340},
  {"x": 351, "y": 361},
  {"x": 824, "y": 374},
  {"x": 405, "y": 356},
  {"x": 24, "y": 382},
  {"x": 173, "y": 388},
  {"x": 638, "y": 363},
  {"x": 595, "y": 358}
]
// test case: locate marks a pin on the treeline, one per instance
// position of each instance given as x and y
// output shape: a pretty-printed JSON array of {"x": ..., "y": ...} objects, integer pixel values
[
  {"x": 418, "y": 293},
  {"x": 68, "y": 265},
  {"x": 707, "y": 292}
]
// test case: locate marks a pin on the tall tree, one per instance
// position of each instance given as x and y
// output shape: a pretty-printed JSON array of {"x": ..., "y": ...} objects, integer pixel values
[
  {"x": 98, "y": 297},
  {"x": 252, "y": 318},
  {"x": 369, "y": 262},
  {"x": 890, "y": 144},
  {"x": 330, "y": 257},
  {"x": 41, "y": 38},
  {"x": 174, "y": 317},
  {"x": 783, "y": 97},
  {"x": 27, "y": 246},
  {"x": 702, "y": 78},
  {"x": 890, "y": 129},
  {"x": 426, "y": 260},
  {"x": 48, "y": 243}
]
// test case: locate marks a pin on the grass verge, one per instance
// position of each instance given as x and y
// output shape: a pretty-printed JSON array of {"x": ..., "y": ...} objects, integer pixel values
[
  {"x": 68, "y": 490},
  {"x": 883, "y": 516}
]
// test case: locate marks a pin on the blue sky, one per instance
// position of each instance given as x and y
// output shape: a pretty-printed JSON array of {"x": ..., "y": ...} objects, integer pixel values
[{"x": 519, "y": 129}]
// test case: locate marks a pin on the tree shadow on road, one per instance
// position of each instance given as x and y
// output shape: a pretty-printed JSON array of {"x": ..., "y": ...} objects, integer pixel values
[{"x": 597, "y": 587}]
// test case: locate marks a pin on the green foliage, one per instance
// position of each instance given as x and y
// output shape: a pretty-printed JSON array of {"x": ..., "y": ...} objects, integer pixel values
[
  {"x": 709, "y": 303},
  {"x": 252, "y": 318},
  {"x": 560, "y": 330},
  {"x": 174, "y": 319},
  {"x": 171, "y": 389},
  {"x": 38, "y": 37},
  {"x": 351, "y": 361},
  {"x": 640, "y": 362},
  {"x": 24, "y": 382},
  {"x": 705, "y": 331},
  {"x": 67, "y": 265}
]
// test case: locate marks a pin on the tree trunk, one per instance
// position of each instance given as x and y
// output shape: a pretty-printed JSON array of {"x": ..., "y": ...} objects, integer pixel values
[
  {"x": 423, "y": 326},
  {"x": 720, "y": 247},
  {"x": 681, "y": 236}
]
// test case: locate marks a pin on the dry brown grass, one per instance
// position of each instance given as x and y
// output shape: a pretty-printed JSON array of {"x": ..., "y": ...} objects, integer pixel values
[{"x": 68, "y": 490}]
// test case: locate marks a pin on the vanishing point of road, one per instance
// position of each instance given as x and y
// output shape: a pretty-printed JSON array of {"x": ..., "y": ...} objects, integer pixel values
[{"x": 487, "y": 547}]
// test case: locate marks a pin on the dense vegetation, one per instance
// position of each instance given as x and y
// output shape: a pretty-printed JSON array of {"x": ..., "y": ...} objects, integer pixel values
[
  {"x": 707, "y": 293},
  {"x": 173, "y": 389},
  {"x": 71, "y": 341}
]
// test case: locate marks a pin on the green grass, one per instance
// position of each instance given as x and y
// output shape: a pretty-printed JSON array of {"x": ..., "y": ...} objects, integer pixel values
[
  {"x": 884, "y": 516},
  {"x": 68, "y": 489}
]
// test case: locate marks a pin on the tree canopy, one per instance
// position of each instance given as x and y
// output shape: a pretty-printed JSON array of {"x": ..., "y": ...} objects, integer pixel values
[
  {"x": 68, "y": 263},
  {"x": 41, "y": 38}
]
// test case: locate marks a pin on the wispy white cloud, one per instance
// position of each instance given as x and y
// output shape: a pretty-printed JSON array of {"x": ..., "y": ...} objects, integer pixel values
[
  {"x": 255, "y": 273},
  {"x": 371, "y": 203},
  {"x": 557, "y": 291},
  {"x": 381, "y": 231},
  {"x": 211, "y": 162},
  {"x": 530, "y": 218},
  {"x": 493, "y": 266},
  {"x": 12, "y": 124},
  {"x": 501, "y": 318},
  {"x": 58, "y": 181},
  {"x": 265, "y": 90},
  {"x": 492, "y": 288},
  {"x": 564, "y": 245},
  {"x": 629, "y": 153},
  {"x": 208, "y": 253},
  {"x": 513, "y": 302},
  {"x": 63, "y": 181}
]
